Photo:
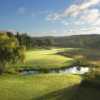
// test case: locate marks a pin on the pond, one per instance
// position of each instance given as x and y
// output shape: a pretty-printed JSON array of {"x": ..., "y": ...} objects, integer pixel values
[{"x": 71, "y": 70}]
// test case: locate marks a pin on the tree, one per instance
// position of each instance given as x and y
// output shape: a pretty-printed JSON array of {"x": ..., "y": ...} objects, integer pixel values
[
  {"x": 24, "y": 40},
  {"x": 10, "y": 51}
]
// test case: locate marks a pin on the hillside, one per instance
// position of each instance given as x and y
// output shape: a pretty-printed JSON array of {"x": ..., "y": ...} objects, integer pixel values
[
  {"x": 78, "y": 41},
  {"x": 91, "y": 41}
]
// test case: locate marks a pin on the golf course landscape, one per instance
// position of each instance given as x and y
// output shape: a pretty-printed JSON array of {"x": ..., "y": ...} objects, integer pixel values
[
  {"x": 49, "y": 49},
  {"x": 40, "y": 69},
  {"x": 49, "y": 86}
]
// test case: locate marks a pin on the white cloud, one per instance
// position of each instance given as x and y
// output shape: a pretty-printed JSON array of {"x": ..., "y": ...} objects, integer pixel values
[
  {"x": 65, "y": 22},
  {"x": 84, "y": 17},
  {"x": 90, "y": 15},
  {"x": 97, "y": 23},
  {"x": 53, "y": 17},
  {"x": 88, "y": 4},
  {"x": 74, "y": 10},
  {"x": 89, "y": 30}
]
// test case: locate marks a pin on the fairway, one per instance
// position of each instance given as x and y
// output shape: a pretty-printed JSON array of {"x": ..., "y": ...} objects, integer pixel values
[
  {"x": 42, "y": 58},
  {"x": 39, "y": 87}
]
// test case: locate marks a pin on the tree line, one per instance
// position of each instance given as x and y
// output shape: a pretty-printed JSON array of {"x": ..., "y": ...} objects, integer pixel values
[
  {"x": 31, "y": 42},
  {"x": 75, "y": 41}
]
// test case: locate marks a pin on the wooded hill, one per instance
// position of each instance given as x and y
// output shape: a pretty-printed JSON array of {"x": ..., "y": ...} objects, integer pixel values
[{"x": 79, "y": 41}]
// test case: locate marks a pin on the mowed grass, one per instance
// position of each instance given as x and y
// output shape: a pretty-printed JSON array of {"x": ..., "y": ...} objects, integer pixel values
[
  {"x": 45, "y": 59},
  {"x": 39, "y": 87}
]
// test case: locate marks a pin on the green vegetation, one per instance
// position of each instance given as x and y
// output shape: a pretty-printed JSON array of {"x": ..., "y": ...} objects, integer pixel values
[
  {"x": 75, "y": 41},
  {"x": 40, "y": 87},
  {"x": 90, "y": 56},
  {"x": 87, "y": 93},
  {"x": 45, "y": 53},
  {"x": 10, "y": 51},
  {"x": 45, "y": 59},
  {"x": 34, "y": 42},
  {"x": 89, "y": 88}
]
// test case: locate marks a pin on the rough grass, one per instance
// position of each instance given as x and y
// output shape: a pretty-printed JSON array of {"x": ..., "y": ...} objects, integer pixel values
[
  {"x": 87, "y": 93},
  {"x": 90, "y": 55},
  {"x": 39, "y": 87},
  {"x": 45, "y": 59}
]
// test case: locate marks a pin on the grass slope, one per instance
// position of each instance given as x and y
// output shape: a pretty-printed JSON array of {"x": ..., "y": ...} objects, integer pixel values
[
  {"x": 39, "y": 87},
  {"x": 45, "y": 59}
]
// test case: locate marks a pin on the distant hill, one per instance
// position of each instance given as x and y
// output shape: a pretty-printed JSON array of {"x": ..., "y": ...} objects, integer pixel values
[
  {"x": 80, "y": 41},
  {"x": 84, "y": 41}
]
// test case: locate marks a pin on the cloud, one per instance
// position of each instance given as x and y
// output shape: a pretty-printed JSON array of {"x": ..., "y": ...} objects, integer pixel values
[
  {"x": 79, "y": 18},
  {"x": 53, "y": 17},
  {"x": 85, "y": 30},
  {"x": 74, "y": 10},
  {"x": 97, "y": 23},
  {"x": 90, "y": 16},
  {"x": 65, "y": 22},
  {"x": 90, "y": 30}
]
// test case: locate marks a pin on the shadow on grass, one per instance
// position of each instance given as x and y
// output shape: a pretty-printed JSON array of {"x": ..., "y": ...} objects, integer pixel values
[
  {"x": 62, "y": 94},
  {"x": 76, "y": 92},
  {"x": 87, "y": 91},
  {"x": 87, "y": 94}
]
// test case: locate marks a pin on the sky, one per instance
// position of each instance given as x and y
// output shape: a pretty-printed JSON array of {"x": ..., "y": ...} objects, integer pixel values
[{"x": 50, "y": 17}]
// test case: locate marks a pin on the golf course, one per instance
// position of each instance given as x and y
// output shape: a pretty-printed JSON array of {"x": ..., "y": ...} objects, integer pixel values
[
  {"x": 42, "y": 58},
  {"x": 39, "y": 69},
  {"x": 42, "y": 86}
]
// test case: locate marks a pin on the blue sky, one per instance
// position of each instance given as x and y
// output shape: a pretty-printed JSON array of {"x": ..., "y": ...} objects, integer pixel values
[{"x": 50, "y": 17}]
